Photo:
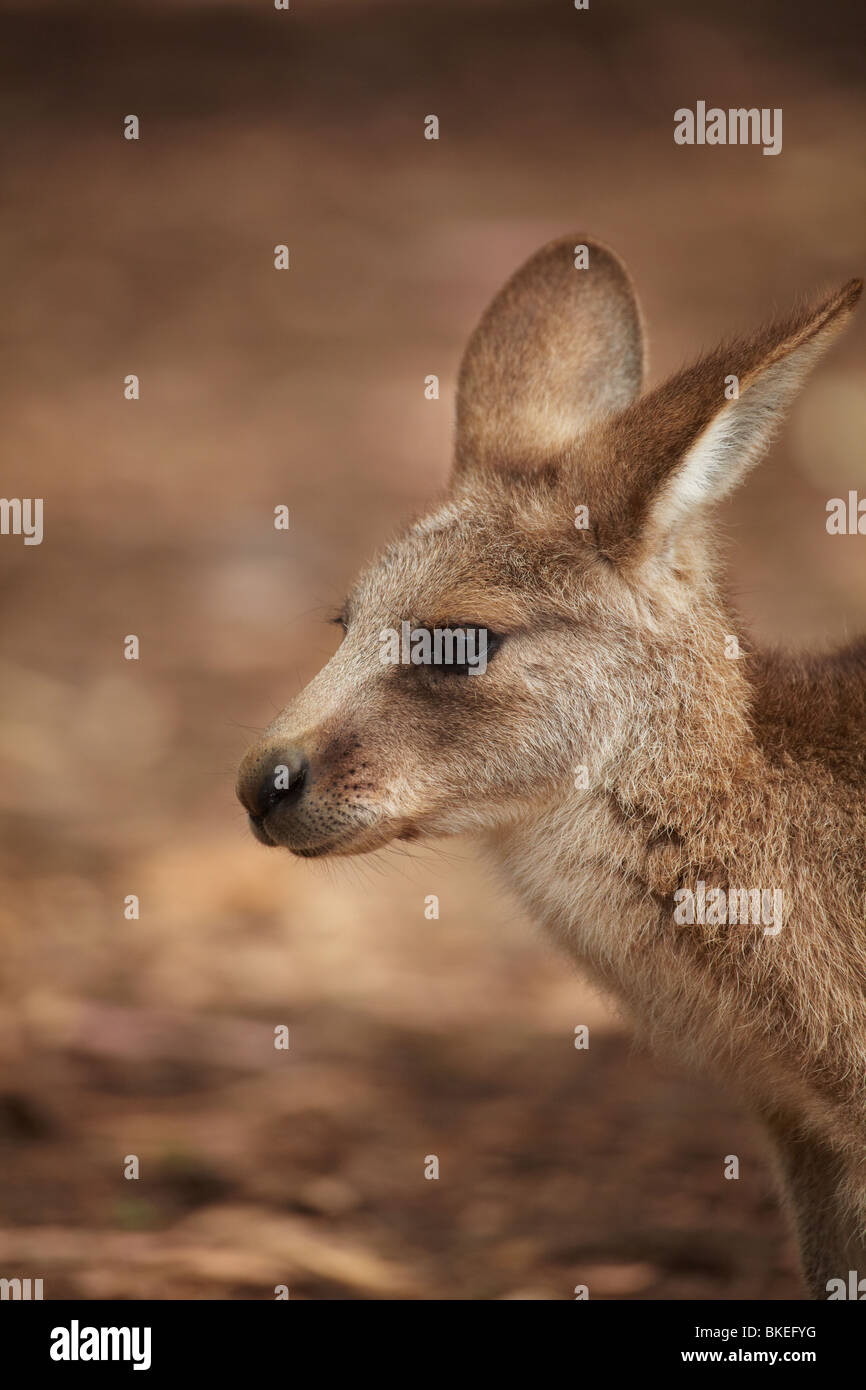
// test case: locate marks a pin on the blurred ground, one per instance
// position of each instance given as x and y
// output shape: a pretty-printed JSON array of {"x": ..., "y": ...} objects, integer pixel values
[{"x": 408, "y": 1037}]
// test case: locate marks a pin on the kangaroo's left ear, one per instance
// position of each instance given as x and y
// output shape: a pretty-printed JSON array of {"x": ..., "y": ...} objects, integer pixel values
[{"x": 689, "y": 442}]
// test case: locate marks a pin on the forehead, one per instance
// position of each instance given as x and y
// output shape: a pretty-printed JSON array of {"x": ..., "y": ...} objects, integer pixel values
[{"x": 483, "y": 557}]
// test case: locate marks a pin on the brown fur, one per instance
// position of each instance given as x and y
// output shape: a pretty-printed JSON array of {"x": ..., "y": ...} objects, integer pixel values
[{"x": 743, "y": 773}]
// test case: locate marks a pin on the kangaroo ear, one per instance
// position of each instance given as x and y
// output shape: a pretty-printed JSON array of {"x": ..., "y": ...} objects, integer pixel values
[
  {"x": 558, "y": 347},
  {"x": 691, "y": 441}
]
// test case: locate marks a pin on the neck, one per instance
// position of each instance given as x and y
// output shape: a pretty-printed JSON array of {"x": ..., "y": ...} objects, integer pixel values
[{"x": 713, "y": 788}]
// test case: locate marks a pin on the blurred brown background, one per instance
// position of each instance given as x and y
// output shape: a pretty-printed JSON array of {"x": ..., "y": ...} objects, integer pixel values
[{"x": 408, "y": 1037}]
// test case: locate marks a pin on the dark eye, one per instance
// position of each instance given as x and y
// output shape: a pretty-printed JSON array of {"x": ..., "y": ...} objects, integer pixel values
[
  {"x": 340, "y": 620},
  {"x": 481, "y": 645}
]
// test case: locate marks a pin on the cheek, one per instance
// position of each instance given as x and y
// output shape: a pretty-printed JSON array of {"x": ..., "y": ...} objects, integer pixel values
[{"x": 562, "y": 699}]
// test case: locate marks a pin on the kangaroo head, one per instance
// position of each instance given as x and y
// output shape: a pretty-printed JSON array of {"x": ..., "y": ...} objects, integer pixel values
[{"x": 573, "y": 550}]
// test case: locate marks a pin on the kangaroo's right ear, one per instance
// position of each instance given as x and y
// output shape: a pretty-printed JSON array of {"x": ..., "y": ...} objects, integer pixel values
[{"x": 559, "y": 347}]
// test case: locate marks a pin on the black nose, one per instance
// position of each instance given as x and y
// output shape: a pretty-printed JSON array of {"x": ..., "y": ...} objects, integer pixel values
[{"x": 278, "y": 779}]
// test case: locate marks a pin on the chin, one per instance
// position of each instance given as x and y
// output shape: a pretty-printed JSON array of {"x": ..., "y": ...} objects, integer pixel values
[{"x": 363, "y": 841}]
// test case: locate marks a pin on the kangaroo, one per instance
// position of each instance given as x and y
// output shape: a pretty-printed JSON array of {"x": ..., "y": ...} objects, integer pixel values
[{"x": 621, "y": 756}]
